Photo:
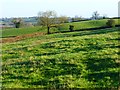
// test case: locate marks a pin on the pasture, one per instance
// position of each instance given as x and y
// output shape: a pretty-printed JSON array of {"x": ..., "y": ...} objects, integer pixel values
[
  {"x": 85, "y": 59},
  {"x": 64, "y": 27}
]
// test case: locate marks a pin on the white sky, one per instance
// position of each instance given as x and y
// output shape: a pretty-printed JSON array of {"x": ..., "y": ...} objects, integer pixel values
[{"x": 84, "y": 8}]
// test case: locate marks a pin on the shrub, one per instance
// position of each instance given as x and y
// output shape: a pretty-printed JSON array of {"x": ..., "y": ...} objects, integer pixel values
[
  {"x": 111, "y": 23},
  {"x": 71, "y": 27}
]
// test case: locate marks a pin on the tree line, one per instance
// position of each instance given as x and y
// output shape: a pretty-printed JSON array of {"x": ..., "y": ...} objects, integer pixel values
[{"x": 50, "y": 19}]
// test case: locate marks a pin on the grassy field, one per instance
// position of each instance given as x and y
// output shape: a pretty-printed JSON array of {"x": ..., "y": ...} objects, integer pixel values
[
  {"x": 65, "y": 27},
  {"x": 20, "y": 31},
  {"x": 85, "y": 59}
]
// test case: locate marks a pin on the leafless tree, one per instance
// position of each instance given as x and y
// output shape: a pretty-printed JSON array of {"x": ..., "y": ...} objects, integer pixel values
[
  {"x": 47, "y": 18},
  {"x": 95, "y": 15}
]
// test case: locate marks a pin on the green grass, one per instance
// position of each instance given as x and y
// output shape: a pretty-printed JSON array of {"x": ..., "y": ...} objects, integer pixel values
[
  {"x": 86, "y": 24},
  {"x": 85, "y": 59},
  {"x": 77, "y": 25},
  {"x": 20, "y": 31}
]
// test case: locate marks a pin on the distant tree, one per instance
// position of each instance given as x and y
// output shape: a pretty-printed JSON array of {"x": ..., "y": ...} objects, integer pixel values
[
  {"x": 73, "y": 19},
  {"x": 104, "y": 16},
  {"x": 47, "y": 18},
  {"x": 76, "y": 18},
  {"x": 71, "y": 27},
  {"x": 17, "y": 22},
  {"x": 28, "y": 24},
  {"x": 95, "y": 15},
  {"x": 62, "y": 19}
]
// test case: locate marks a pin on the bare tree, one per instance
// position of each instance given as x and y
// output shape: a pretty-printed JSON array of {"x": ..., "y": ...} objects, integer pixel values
[
  {"x": 95, "y": 15},
  {"x": 63, "y": 19},
  {"x": 47, "y": 18}
]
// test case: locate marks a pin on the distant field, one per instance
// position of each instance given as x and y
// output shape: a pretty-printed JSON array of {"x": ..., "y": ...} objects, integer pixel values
[
  {"x": 20, "y": 31},
  {"x": 77, "y": 25},
  {"x": 85, "y": 59}
]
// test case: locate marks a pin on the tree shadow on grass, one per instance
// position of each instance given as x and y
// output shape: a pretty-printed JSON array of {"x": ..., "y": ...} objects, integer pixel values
[
  {"x": 114, "y": 76},
  {"x": 107, "y": 79},
  {"x": 101, "y": 31},
  {"x": 101, "y": 65},
  {"x": 23, "y": 63},
  {"x": 48, "y": 84},
  {"x": 98, "y": 64},
  {"x": 12, "y": 77},
  {"x": 63, "y": 69},
  {"x": 52, "y": 70},
  {"x": 85, "y": 32},
  {"x": 46, "y": 53},
  {"x": 91, "y": 29},
  {"x": 86, "y": 49},
  {"x": 99, "y": 68},
  {"x": 20, "y": 77}
]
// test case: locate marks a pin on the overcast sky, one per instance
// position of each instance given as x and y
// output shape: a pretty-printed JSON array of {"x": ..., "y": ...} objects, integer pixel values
[{"x": 84, "y": 8}]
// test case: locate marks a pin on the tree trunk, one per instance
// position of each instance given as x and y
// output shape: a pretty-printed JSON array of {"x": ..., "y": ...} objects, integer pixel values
[{"x": 48, "y": 30}]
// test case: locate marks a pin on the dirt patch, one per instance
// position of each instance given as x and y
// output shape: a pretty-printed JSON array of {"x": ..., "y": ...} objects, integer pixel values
[{"x": 18, "y": 38}]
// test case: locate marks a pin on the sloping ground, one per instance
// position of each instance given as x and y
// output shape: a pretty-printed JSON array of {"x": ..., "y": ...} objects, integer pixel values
[
  {"x": 86, "y": 59},
  {"x": 21, "y": 37},
  {"x": 65, "y": 27},
  {"x": 6, "y": 33}
]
